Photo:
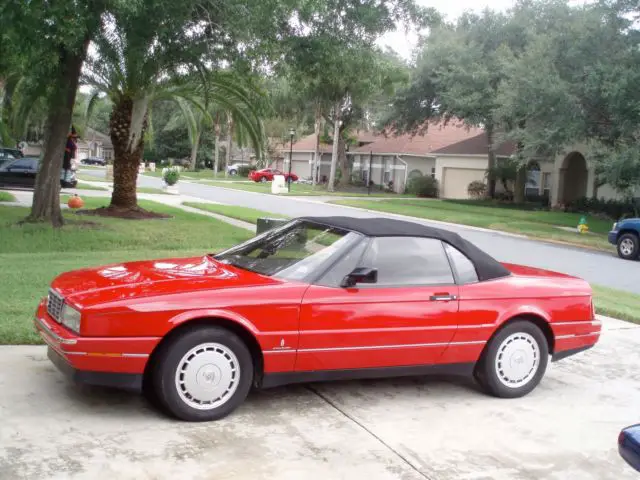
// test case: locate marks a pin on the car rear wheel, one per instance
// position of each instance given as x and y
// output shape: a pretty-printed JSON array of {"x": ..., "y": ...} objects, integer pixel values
[
  {"x": 204, "y": 374},
  {"x": 628, "y": 246},
  {"x": 263, "y": 179},
  {"x": 514, "y": 360},
  {"x": 233, "y": 172}
]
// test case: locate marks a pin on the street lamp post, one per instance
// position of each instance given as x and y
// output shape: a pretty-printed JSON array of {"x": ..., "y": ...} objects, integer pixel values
[{"x": 292, "y": 133}]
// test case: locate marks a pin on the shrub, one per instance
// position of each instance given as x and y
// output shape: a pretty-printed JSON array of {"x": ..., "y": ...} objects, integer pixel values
[
  {"x": 423, "y": 187},
  {"x": 613, "y": 209},
  {"x": 245, "y": 170},
  {"x": 477, "y": 189},
  {"x": 171, "y": 175}
]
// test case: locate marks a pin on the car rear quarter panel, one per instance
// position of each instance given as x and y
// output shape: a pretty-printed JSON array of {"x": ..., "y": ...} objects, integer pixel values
[{"x": 563, "y": 303}]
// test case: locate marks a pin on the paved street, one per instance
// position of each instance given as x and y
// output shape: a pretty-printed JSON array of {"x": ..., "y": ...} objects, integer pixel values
[
  {"x": 405, "y": 429},
  {"x": 599, "y": 268}
]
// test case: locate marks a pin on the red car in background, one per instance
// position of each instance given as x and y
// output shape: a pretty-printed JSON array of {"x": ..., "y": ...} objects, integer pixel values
[
  {"x": 324, "y": 298},
  {"x": 267, "y": 174}
]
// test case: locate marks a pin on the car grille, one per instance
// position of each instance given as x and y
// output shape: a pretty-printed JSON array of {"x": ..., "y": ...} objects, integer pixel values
[{"x": 54, "y": 305}]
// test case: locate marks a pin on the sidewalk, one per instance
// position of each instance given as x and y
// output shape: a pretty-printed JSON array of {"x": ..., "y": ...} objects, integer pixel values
[{"x": 25, "y": 199}]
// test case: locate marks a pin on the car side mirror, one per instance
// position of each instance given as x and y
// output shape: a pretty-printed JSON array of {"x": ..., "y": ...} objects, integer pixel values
[{"x": 360, "y": 275}]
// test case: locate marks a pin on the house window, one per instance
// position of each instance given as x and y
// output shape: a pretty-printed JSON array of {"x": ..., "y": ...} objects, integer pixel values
[
  {"x": 532, "y": 188},
  {"x": 546, "y": 184},
  {"x": 433, "y": 172}
]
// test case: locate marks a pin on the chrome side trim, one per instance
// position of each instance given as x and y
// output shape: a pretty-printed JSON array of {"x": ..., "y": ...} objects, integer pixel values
[
  {"x": 386, "y": 329},
  {"x": 581, "y": 322},
  {"x": 380, "y": 347},
  {"x": 42, "y": 323},
  {"x": 579, "y": 335},
  {"x": 135, "y": 355}
]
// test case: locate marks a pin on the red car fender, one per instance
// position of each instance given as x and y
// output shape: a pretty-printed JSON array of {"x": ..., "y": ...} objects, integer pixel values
[{"x": 185, "y": 317}]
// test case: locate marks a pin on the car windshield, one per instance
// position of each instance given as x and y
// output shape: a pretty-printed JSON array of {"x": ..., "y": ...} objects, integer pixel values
[{"x": 295, "y": 251}]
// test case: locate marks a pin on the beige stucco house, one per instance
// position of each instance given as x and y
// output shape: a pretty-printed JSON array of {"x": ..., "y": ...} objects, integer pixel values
[{"x": 455, "y": 155}]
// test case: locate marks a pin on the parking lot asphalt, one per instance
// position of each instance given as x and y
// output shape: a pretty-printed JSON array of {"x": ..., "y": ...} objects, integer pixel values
[{"x": 410, "y": 428}]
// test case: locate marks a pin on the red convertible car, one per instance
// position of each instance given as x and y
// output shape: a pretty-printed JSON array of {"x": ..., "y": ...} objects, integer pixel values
[
  {"x": 323, "y": 298},
  {"x": 267, "y": 174}
]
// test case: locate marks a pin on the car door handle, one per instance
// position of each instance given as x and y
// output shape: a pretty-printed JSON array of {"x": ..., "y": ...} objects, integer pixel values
[{"x": 442, "y": 297}]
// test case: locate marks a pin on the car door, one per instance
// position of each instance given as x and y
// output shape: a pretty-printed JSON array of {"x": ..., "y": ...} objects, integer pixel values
[
  {"x": 407, "y": 318},
  {"x": 16, "y": 173}
]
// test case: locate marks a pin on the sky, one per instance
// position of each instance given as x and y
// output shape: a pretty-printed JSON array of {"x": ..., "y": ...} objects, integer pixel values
[{"x": 451, "y": 9}]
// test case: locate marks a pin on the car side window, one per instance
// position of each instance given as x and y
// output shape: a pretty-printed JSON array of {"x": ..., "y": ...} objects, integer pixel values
[
  {"x": 404, "y": 261},
  {"x": 24, "y": 164},
  {"x": 347, "y": 264},
  {"x": 465, "y": 269}
]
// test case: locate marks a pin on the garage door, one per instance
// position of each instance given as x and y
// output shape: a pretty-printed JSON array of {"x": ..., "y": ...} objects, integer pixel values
[{"x": 456, "y": 180}]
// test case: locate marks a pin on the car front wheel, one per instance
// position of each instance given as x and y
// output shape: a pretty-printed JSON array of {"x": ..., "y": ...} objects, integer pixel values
[
  {"x": 263, "y": 179},
  {"x": 204, "y": 374},
  {"x": 514, "y": 360},
  {"x": 628, "y": 246},
  {"x": 233, "y": 172}
]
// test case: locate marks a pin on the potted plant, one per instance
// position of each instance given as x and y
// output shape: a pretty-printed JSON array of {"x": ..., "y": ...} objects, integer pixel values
[{"x": 170, "y": 176}]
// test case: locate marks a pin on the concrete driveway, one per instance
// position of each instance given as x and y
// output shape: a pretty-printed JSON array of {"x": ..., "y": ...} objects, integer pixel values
[
  {"x": 595, "y": 267},
  {"x": 412, "y": 428}
]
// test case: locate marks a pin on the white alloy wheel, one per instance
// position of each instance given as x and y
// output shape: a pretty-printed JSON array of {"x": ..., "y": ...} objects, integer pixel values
[
  {"x": 517, "y": 360},
  {"x": 627, "y": 247},
  {"x": 207, "y": 376}
]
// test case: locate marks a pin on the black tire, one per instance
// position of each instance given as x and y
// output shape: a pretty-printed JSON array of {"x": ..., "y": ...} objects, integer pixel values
[
  {"x": 628, "y": 246},
  {"x": 263, "y": 179},
  {"x": 233, "y": 172},
  {"x": 488, "y": 372},
  {"x": 171, "y": 356}
]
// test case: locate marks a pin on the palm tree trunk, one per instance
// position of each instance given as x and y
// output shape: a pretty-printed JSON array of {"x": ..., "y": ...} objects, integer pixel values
[
  {"x": 46, "y": 197},
  {"x": 334, "y": 150},
  {"x": 316, "y": 154},
  {"x": 127, "y": 138},
  {"x": 194, "y": 150},
  {"x": 227, "y": 160},
  {"x": 216, "y": 152},
  {"x": 345, "y": 174},
  {"x": 491, "y": 190}
]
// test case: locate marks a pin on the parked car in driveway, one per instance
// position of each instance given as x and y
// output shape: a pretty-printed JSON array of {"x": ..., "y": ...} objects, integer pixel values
[
  {"x": 233, "y": 169},
  {"x": 625, "y": 235},
  {"x": 316, "y": 299},
  {"x": 7, "y": 154},
  {"x": 21, "y": 173},
  {"x": 94, "y": 161},
  {"x": 629, "y": 445},
  {"x": 267, "y": 174}
]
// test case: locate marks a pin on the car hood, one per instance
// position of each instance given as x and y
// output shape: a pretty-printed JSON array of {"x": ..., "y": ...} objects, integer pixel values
[{"x": 153, "y": 277}]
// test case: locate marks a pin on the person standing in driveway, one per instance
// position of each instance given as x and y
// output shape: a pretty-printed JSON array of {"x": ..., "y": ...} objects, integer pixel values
[{"x": 69, "y": 153}]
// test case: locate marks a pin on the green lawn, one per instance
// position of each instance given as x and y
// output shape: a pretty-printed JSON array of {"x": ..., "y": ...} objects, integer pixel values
[
  {"x": 532, "y": 223},
  {"x": 86, "y": 186},
  {"x": 186, "y": 174},
  {"x": 158, "y": 191},
  {"x": 245, "y": 214},
  {"x": 32, "y": 255},
  {"x": 300, "y": 189},
  {"x": 617, "y": 304},
  {"x": 91, "y": 178},
  {"x": 7, "y": 197}
]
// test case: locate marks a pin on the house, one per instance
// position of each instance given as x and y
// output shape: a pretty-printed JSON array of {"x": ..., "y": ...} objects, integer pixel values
[
  {"x": 455, "y": 155},
  {"x": 91, "y": 144},
  {"x": 94, "y": 144}
]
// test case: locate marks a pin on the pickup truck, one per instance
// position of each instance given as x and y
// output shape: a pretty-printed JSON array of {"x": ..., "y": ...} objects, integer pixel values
[{"x": 625, "y": 235}]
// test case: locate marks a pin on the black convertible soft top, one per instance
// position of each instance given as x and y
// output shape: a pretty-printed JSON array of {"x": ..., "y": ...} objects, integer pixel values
[{"x": 487, "y": 267}]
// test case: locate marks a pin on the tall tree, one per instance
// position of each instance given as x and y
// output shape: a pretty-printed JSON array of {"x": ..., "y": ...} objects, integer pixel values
[
  {"x": 61, "y": 33},
  {"x": 458, "y": 74}
]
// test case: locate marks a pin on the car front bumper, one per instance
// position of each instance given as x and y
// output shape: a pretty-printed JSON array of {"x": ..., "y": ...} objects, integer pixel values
[
  {"x": 613, "y": 237},
  {"x": 110, "y": 362}
]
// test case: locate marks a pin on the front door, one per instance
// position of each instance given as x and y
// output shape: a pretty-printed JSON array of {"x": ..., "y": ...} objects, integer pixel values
[{"x": 407, "y": 318}]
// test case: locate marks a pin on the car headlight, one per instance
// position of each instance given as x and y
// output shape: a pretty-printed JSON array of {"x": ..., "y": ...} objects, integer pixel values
[
  {"x": 71, "y": 318},
  {"x": 615, "y": 225}
]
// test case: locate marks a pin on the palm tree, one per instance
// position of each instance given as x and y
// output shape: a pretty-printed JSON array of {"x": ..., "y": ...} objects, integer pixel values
[
  {"x": 134, "y": 67},
  {"x": 244, "y": 108}
]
